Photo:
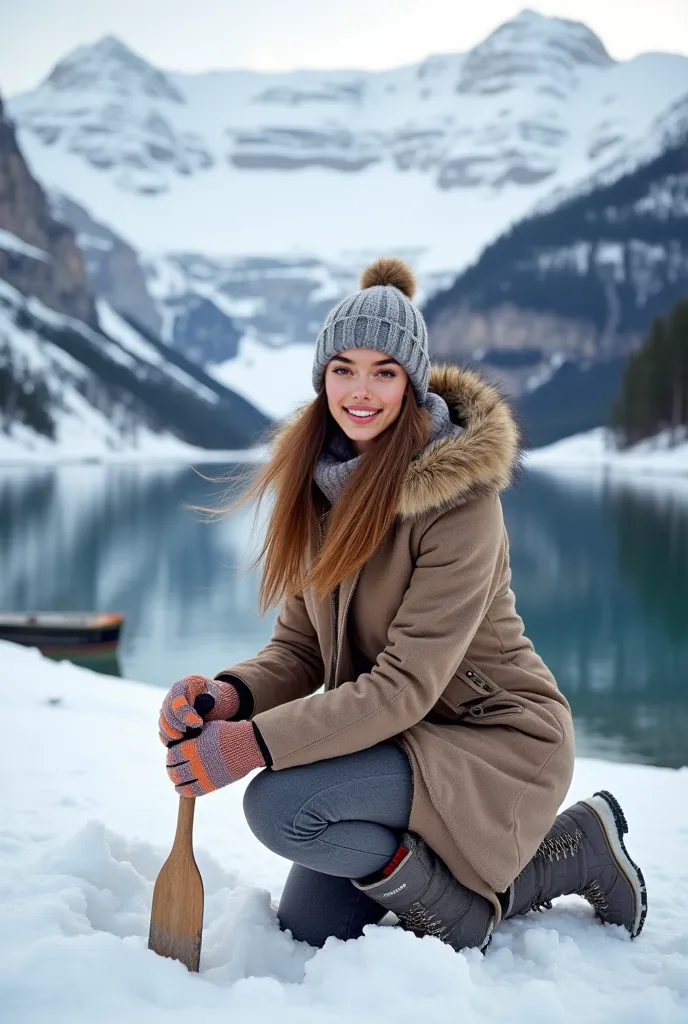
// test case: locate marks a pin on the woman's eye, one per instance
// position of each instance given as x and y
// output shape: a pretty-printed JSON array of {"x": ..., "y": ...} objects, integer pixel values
[{"x": 344, "y": 369}]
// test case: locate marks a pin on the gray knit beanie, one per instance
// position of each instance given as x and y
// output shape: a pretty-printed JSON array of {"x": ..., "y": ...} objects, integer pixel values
[{"x": 379, "y": 316}]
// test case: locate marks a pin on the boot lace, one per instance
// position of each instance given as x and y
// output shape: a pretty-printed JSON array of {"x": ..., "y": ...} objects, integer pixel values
[
  {"x": 559, "y": 847},
  {"x": 421, "y": 921},
  {"x": 594, "y": 895}
]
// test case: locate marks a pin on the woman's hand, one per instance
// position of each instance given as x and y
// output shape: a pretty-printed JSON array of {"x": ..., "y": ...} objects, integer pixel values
[
  {"x": 223, "y": 753},
  {"x": 219, "y": 701}
]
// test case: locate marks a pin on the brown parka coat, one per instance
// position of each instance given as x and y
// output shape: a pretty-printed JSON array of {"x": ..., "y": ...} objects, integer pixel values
[{"x": 428, "y": 649}]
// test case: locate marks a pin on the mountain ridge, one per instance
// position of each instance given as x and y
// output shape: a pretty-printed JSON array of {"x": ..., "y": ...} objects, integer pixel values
[{"x": 244, "y": 163}]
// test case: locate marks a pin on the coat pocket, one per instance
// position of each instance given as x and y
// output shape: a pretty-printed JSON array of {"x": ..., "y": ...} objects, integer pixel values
[
  {"x": 468, "y": 691},
  {"x": 496, "y": 707}
]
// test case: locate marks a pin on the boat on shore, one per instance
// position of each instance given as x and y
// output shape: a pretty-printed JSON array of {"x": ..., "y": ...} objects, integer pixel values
[{"x": 64, "y": 634}]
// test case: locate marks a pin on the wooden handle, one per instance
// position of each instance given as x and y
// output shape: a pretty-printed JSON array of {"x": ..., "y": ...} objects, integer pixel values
[{"x": 185, "y": 815}]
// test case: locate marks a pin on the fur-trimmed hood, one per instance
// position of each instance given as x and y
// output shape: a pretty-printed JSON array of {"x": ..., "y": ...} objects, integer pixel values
[{"x": 483, "y": 457}]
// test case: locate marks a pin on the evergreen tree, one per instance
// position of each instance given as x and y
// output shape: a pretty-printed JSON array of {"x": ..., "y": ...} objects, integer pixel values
[
  {"x": 654, "y": 391},
  {"x": 24, "y": 396},
  {"x": 678, "y": 354}
]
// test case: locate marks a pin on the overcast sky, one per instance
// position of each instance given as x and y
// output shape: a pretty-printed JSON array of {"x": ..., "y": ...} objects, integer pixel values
[{"x": 197, "y": 35}]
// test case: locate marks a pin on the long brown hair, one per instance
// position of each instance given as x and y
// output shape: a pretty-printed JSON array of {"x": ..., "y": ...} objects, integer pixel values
[{"x": 359, "y": 519}]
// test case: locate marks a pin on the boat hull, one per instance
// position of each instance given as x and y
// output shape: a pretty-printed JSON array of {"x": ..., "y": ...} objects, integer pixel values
[{"x": 64, "y": 635}]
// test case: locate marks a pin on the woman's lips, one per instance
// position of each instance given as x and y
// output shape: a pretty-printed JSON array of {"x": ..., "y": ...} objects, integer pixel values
[{"x": 362, "y": 419}]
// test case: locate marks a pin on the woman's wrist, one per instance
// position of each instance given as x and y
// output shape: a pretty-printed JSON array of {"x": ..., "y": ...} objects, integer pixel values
[
  {"x": 262, "y": 745},
  {"x": 226, "y": 702},
  {"x": 240, "y": 749},
  {"x": 244, "y": 697}
]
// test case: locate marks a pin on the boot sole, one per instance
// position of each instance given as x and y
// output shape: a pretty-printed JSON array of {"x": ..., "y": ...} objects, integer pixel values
[{"x": 612, "y": 819}]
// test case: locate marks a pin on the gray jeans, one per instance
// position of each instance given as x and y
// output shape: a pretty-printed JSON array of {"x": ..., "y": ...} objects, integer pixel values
[{"x": 336, "y": 819}]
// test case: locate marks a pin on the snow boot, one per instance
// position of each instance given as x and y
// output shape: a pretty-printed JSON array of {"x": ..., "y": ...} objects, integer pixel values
[
  {"x": 584, "y": 853},
  {"x": 419, "y": 888}
]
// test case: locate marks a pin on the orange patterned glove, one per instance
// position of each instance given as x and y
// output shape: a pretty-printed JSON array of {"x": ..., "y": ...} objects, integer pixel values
[
  {"x": 218, "y": 701},
  {"x": 223, "y": 753}
]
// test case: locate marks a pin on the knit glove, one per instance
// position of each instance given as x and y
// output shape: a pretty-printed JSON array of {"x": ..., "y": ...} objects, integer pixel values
[
  {"x": 223, "y": 753},
  {"x": 177, "y": 714}
]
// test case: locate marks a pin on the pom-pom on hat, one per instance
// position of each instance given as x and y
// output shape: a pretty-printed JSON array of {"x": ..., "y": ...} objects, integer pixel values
[{"x": 379, "y": 316}]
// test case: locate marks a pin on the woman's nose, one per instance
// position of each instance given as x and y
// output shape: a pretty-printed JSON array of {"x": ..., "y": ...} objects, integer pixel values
[{"x": 360, "y": 387}]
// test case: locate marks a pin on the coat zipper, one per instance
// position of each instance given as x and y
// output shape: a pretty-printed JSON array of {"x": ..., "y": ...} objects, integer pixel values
[
  {"x": 346, "y": 612},
  {"x": 333, "y": 608},
  {"x": 334, "y": 596},
  {"x": 333, "y": 620}
]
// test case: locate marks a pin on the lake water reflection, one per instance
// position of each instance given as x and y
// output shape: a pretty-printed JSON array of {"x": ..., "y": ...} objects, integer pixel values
[{"x": 600, "y": 571}]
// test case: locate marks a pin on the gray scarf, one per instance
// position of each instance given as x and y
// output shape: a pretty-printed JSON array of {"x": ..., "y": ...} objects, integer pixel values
[{"x": 337, "y": 460}]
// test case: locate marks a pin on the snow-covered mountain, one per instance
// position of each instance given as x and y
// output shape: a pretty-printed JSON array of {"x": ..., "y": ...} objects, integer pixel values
[
  {"x": 555, "y": 304},
  {"x": 225, "y": 212},
  {"x": 74, "y": 376},
  {"x": 71, "y": 390},
  {"x": 437, "y": 157}
]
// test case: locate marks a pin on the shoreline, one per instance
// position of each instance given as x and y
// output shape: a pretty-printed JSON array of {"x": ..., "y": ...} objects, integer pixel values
[
  {"x": 54, "y": 459},
  {"x": 582, "y": 453},
  {"x": 590, "y": 453}
]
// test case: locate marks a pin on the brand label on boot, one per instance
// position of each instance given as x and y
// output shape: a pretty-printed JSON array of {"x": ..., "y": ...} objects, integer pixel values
[{"x": 392, "y": 892}]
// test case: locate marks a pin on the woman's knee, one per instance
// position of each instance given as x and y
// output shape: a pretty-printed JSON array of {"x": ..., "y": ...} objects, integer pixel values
[
  {"x": 288, "y": 809},
  {"x": 268, "y": 810},
  {"x": 258, "y": 801}
]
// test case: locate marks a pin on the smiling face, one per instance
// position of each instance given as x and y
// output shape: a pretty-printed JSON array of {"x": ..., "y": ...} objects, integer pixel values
[{"x": 364, "y": 381}]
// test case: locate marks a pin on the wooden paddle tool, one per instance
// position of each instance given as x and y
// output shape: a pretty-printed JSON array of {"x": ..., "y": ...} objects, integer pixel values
[{"x": 176, "y": 923}]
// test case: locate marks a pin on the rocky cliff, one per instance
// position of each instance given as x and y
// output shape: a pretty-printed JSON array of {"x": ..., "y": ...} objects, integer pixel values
[
  {"x": 112, "y": 265},
  {"x": 38, "y": 255}
]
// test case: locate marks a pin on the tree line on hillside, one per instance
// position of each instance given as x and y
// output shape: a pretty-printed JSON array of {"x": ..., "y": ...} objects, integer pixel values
[
  {"x": 508, "y": 271},
  {"x": 24, "y": 395},
  {"x": 654, "y": 389}
]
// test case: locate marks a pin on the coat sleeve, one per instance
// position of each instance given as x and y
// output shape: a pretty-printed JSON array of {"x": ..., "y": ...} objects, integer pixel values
[
  {"x": 289, "y": 666},
  {"x": 451, "y": 587}
]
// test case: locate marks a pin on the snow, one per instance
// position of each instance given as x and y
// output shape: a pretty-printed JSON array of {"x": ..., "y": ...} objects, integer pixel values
[
  {"x": 593, "y": 450},
  {"x": 82, "y": 431},
  {"x": 78, "y": 425},
  {"x": 116, "y": 327},
  {"x": 280, "y": 214},
  {"x": 82, "y": 437},
  {"x": 86, "y": 241},
  {"x": 25, "y": 447},
  {"x": 12, "y": 243},
  {"x": 618, "y": 153},
  {"x": 88, "y": 820},
  {"x": 275, "y": 381}
]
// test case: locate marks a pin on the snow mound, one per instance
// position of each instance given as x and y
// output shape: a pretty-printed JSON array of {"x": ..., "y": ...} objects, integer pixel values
[
  {"x": 594, "y": 450},
  {"x": 88, "y": 820}
]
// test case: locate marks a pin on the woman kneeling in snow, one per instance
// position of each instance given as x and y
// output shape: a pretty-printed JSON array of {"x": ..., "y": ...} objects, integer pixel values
[{"x": 426, "y": 778}]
